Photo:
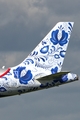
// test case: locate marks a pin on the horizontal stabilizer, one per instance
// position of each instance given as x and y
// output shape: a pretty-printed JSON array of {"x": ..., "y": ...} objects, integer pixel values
[{"x": 53, "y": 76}]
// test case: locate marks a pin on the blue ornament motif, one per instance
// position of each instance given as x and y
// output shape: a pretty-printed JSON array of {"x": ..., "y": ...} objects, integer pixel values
[
  {"x": 28, "y": 61},
  {"x": 22, "y": 79},
  {"x": 54, "y": 70},
  {"x": 43, "y": 43},
  {"x": 2, "y": 89},
  {"x": 56, "y": 56},
  {"x": 43, "y": 59},
  {"x": 34, "y": 53},
  {"x": 64, "y": 78},
  {"x": 55, "y": 40},
  {"x": 52, "y": 50},
  {"x": 5, "y": 78},
  {"x": 70, "y": 26},
  {"x": 45, "y": 49},
  {"x": 62, "y": 53}
]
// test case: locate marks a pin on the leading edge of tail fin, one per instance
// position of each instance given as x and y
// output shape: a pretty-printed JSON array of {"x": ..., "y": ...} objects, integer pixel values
[{"x": 50, "y": 52}]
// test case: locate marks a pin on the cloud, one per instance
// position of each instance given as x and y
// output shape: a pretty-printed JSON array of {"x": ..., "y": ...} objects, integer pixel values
[
  {"x": 22, "y": 26},
  {"x": 21, "y": 11},
  {"x": 10, "y": 59}
]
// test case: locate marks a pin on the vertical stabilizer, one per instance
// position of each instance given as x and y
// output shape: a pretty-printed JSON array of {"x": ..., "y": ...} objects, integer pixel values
[{"x": 50, "y": 52}]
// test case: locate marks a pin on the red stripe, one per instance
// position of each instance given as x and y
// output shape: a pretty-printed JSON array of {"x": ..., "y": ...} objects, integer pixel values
[{"x": 5, "y": 72}]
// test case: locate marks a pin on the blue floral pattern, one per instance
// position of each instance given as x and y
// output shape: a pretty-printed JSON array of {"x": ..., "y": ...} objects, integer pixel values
[
  {"x": 53, "y": 45},
  {"x": 22, "y": 78},
  {"x": 62, "y": 53},
  {"x": 44, "y": 49},
  {"x": 64, "y": 78},
  {"x": 54, "y": 70},
  {"x": 55, "y": 40}
]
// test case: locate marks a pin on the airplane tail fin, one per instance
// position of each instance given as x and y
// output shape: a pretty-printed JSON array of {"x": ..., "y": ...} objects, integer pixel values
[{"x": 50, "y": 52}]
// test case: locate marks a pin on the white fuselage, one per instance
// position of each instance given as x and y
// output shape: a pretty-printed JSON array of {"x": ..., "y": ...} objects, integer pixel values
[{"x": 9, "y": 86}]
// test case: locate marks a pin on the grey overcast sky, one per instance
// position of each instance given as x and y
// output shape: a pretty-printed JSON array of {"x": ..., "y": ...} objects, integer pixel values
[{"x": 23, "y": 24}]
